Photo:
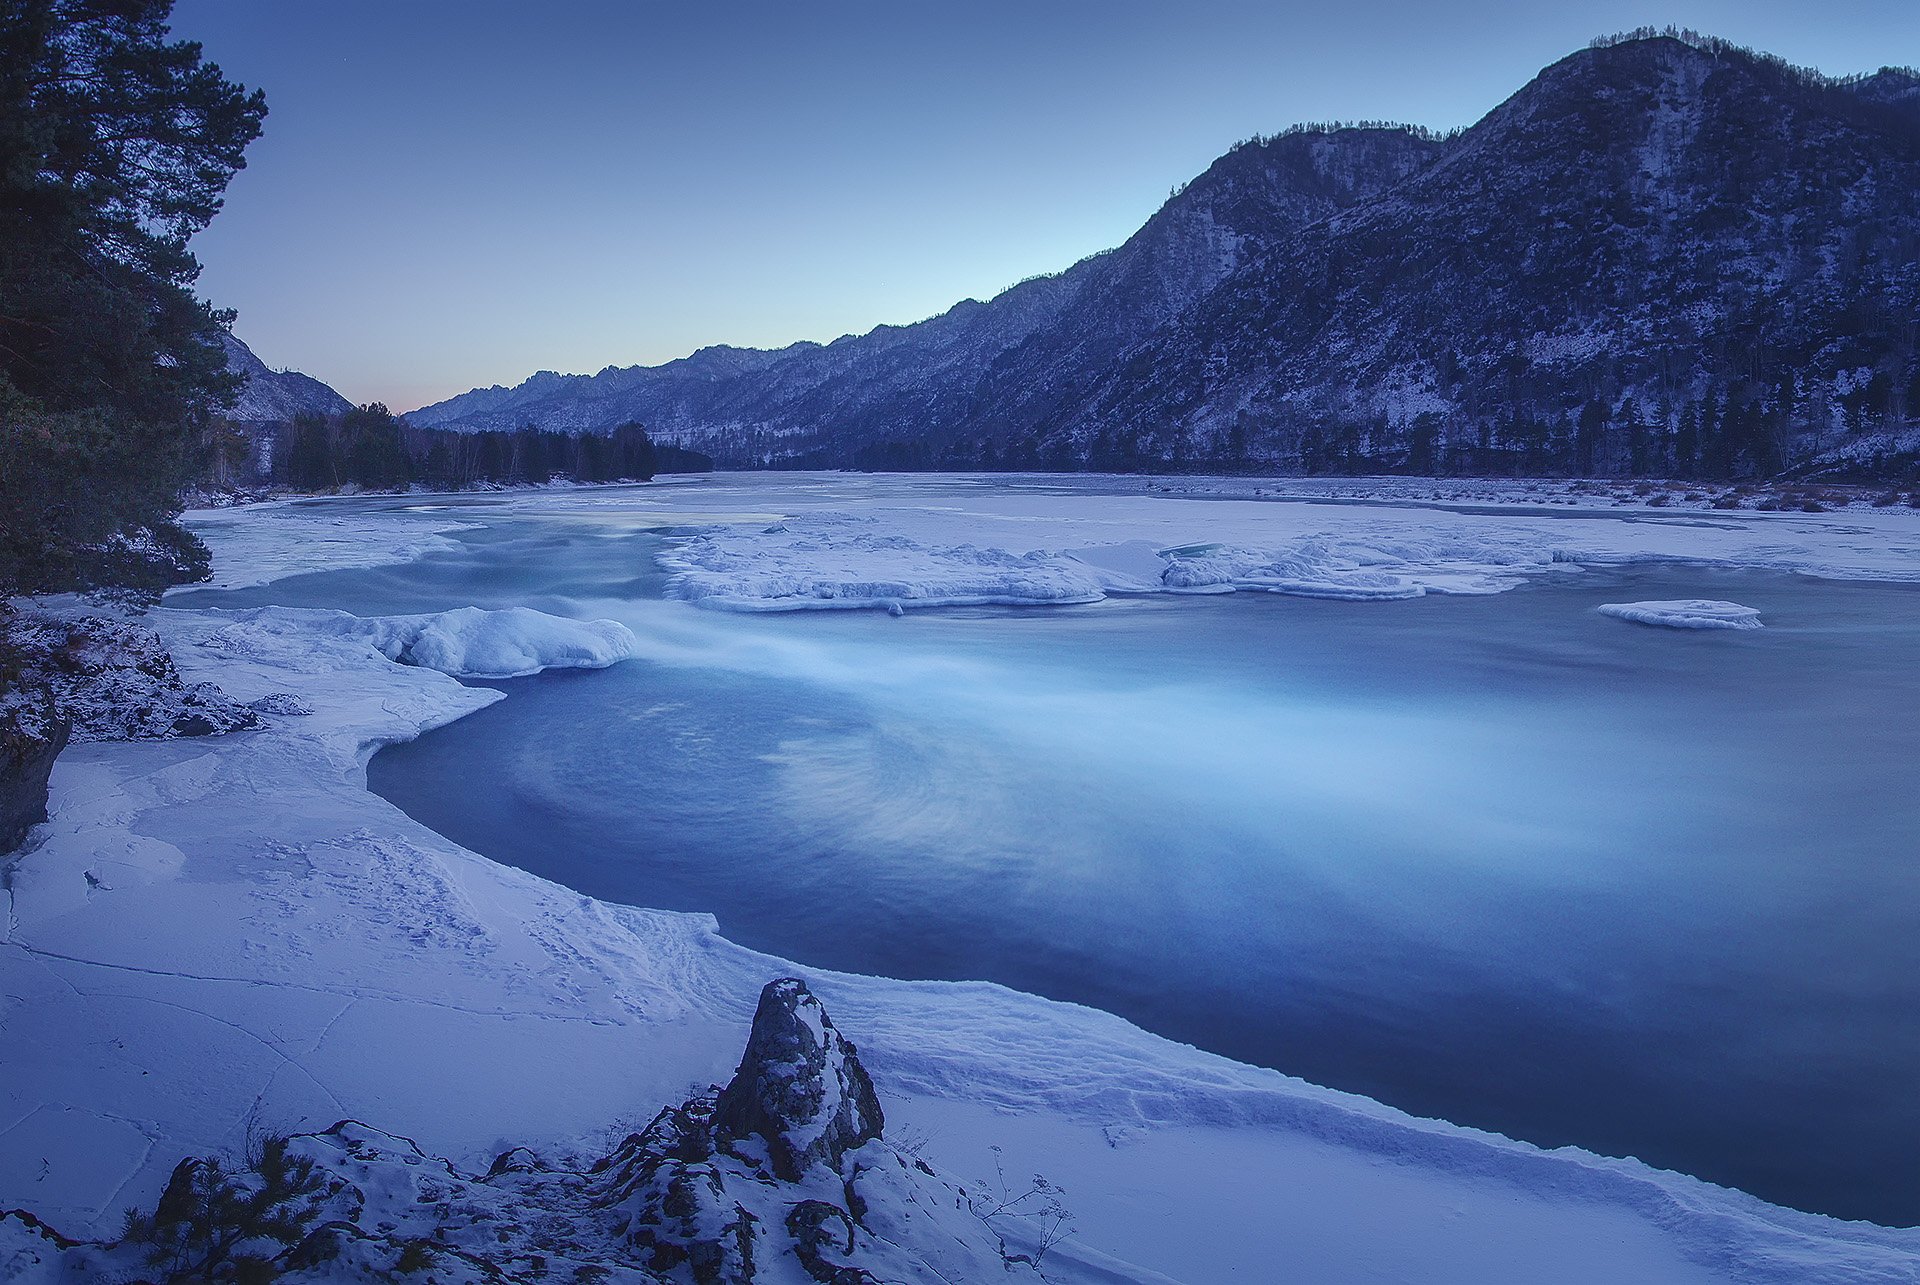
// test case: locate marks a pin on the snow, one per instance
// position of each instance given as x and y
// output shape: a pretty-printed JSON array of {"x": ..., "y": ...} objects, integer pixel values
[
  {"x": 839, "y": 562},
  {"x": 467, "y": 642},
  {"x": 1685, "y": 613},
  {"x": 216, "y": 931},
  {"x": 855, "y": 543},
  {"x": 1356, "y": 570},
  {"x": 256, "y": 544}
]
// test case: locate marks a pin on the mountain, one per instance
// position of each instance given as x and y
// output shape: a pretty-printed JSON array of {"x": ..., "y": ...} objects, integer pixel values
[
  {"x": 271, "y": 397},
  {"x": 1663, "y": 255},
  {"x": 899, "y": 382}
]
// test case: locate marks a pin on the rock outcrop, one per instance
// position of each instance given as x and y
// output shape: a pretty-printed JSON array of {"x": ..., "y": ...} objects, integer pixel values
[
  {"x": 88, "y": 678},
  {"x": 113, "y": 680},
  {"x": 800, "y": 1089},
  {"x": 782, "y": 1176},
  {"x": 32, "y": 734},
  {"x": 787, "y": 1165}
]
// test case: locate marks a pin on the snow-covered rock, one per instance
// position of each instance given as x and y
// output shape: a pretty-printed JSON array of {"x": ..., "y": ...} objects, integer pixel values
[
  {"x": 506, "y": 643},
  {"x": 787, "y": 1166},
  {"x": 781, "y": 1177},
  {"x": 113, "y": 680},
  {"x": 1685, "y": 613},
  {"x": 1358, "y": 570},
  {"x": 800, "y": 1088},
  {"x": 67, "y": 677}
]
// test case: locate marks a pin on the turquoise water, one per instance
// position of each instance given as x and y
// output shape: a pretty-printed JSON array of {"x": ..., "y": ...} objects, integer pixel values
[{"x": 1500, "y": 860}]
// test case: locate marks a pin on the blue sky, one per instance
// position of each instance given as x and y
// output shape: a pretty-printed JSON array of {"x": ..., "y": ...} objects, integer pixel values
[{"x": 458, "y": 194}]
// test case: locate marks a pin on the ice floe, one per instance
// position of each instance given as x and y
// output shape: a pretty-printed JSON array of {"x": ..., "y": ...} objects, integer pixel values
[
  {"x": 468, "y": 642},
  {"x": 843, "y": 562},
  {"x": 1685, "y": 613},
  {"x": 853, "y": 543}
]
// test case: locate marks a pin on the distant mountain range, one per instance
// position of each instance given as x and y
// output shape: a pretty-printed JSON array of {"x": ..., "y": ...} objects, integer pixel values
[{"x": 1663, "y": 255}]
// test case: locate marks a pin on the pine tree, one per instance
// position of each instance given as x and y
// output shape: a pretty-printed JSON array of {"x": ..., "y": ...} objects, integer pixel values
[{"x": 115, "y": 146}]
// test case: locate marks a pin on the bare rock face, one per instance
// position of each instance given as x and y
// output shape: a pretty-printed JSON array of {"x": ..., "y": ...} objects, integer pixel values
[
  {"x": 800, "y": 1088},
  {"x": 795, "y": 1111},
  {"x": 32, "y": 734}
]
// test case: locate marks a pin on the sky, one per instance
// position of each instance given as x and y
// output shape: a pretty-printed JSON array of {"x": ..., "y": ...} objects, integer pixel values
[{"x": 456, "y": 193}]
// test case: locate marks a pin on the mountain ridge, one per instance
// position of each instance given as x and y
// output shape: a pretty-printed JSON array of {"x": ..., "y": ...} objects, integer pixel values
[
  {"x": 268, "y": 396},
  {"x": 1663, "y": 254}
]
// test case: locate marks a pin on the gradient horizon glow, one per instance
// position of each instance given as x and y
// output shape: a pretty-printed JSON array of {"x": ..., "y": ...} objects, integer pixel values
[{"x": 451, "y": 195}]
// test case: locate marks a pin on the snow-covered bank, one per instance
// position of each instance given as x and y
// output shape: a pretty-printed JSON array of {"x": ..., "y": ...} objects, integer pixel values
[{"x": 204, "y": 927}]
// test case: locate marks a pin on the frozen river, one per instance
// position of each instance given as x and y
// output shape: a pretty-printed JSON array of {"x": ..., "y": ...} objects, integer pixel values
[{"x": 1500, "y": 859}]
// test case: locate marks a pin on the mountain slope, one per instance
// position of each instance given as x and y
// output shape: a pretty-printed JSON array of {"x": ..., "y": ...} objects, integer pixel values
[
  {"x": 1657, "y": 257},
  {"x": 898, "y": 381},
  {"x": 270, "y": 396},
  {"x": 1662, "y": 255}
]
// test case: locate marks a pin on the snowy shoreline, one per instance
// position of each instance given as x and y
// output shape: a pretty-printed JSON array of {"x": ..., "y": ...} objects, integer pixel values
[{"x": 212, "y": 929}]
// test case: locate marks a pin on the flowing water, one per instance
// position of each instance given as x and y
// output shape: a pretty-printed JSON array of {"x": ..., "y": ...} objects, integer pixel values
[{"x": 1500, "y": 860}]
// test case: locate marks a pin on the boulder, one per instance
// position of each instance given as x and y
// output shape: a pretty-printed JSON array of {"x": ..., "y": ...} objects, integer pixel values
[{"x": 800, "y": 1087}]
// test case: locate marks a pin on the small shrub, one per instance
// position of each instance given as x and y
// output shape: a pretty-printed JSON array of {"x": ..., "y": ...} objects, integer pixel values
[
  {"x": 1040, "y": 1206},
  {"x": 415, "y": 1256},
  {"x": 213, "y": 1224}
]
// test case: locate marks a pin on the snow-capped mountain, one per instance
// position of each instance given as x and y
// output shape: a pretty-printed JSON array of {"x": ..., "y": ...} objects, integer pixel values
[
  {"x": 1663, "y": 255},
  {"x": 270, "y": 396}
]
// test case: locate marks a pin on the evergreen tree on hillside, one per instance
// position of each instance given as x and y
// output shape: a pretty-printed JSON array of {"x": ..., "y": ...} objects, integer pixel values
[
  {"x": 376, "y": 459},
  {"x": 115, "y": 146}
]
